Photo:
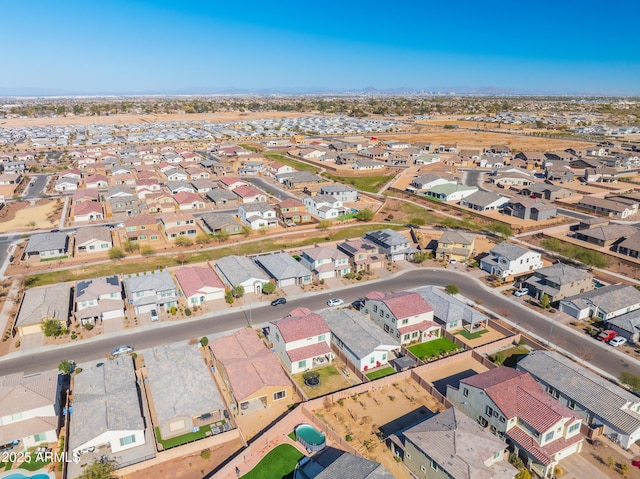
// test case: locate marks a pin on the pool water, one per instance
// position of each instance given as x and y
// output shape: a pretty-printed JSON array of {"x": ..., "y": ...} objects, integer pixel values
[
  {"x": 310, "y": 437},
  {"x": 22, "y": 476}
]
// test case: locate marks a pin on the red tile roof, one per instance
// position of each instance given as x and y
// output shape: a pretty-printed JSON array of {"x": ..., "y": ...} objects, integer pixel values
[
  {"x": 541, "y": 453},
  {"x": 290, "y": 203},
  {"x": 517, "y": 394},
  {"x": 87, "y": 207},
  {"x": 184, "y": 197},
  {"x": 230, "y": 180},
  {"x": 193, "y": 278},
  {"x": 421, "y": 326},
  {"x": 294, "y": 328},
  {"x": 403, "y": 304},
  {"x": 246, "y": 191},
  {"x": 308, "y": 352}
]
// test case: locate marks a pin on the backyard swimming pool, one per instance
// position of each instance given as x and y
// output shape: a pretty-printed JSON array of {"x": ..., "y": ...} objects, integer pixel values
[{"x": 310, "y": 437}]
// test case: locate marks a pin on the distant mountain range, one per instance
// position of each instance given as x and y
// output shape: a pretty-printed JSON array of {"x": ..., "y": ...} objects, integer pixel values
[{"x": 370, "y": 90}]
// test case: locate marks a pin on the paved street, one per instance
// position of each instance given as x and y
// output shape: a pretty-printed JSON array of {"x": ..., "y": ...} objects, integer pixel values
[
  {"x": 270, "y": 188},
  {"x": 39, "y": 182},
  {"x": 600, "y": 355}
]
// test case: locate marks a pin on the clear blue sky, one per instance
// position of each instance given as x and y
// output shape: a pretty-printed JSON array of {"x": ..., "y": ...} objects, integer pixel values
[{"x": 132, "y": 46}]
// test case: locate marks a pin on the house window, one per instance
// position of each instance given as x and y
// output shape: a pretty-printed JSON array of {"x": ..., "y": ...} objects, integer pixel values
[
  {"x": 574, "y": 427},
  {"x": 143, "y": 237},
  {"x": 124, "y": 441},
  {"x": 277, "y": 337},
  {"x": 497, "y": 454},
  {"x": 16, "y": 416},
  {"x": 302, "y": 364},
  {"x": 548, "y": 437},
  {"x": 408, "y": 455},
  {"x": 404, "y": 321},
  {"x": 375, "y": 308},
  {"x": 321, "y": 338},
  {"x": 40, "y": 437},
  {"x": 104, "y": 246},
  {"x": 154, "y": 237},
  {"x": 384, "y": 356},
  {"x": 482, "y": 421},
  {"x": 503, "y": 419},
  {"x": 465, "y": 392},
  {"x": 434, "y": 465},
  {"x": 489, "y": 411},
  {"x": 92, "y": 247},
  {"x": 414, "y": 334},
  {"x": 279, "y": 395},
  {"x": 372, "y": 360},
  {"x": 572, "y": 404}
]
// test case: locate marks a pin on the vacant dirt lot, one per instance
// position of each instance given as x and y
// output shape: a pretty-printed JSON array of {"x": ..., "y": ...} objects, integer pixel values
[{"x": 18, "y": 216}]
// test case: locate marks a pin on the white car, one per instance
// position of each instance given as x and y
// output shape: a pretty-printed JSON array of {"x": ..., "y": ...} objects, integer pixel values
[
  {"x": 154, "y": 315},
  {"x": 617, "y": 341},
  {"x": 521, "y": 292},
  {"x": 335, "y": 302},
  {"x": 122, "y": 350}
]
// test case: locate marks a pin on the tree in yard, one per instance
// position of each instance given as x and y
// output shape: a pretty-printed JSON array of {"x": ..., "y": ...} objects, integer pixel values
[
  {"x": 203, "y": 238},
  {"x": 237, "y": 291},
  {"x": 523, "y": 474},
  {"x": 66, "y": 367},
  {"x": 268, "y": 288},
  {"x": 116, "y": 253},
  {"x": 545, "y": 303},
  {"x": 51, "y": 327},
  {"x": 102, "y": 469},
  {"x": 324, "y": 224},
  {"x": 246, "y": 230},
  {"x": 228, "y": 297},
  {"x": 182, "y": 258},
  {"x": 204, "y": 341},
  {"x": 421, "y": 257},
  {"x": 147, "y": 250},
  {"x": 183, "y": 241},
  {"x": 222, "y": 236},
  {"x": 365, "y": 214},
  {"x": 131, "y": 246},
  {"x": 452, "y": 289}
]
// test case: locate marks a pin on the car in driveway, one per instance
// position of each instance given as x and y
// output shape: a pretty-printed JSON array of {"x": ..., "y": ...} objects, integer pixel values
[
  {"x": 119, "y": 351},
  {"x": 617, "y": 341},
  {"x": 335, "y": 302},
  {"x": 606, "y": 335},
  {"x": 521, "y": 292},
  {"x": 154, "y": 315},
  {"x": 278, "y": 301}
]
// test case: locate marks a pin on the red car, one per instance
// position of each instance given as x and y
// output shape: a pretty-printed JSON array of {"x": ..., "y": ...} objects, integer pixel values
[{"x": 606, "y": 335}]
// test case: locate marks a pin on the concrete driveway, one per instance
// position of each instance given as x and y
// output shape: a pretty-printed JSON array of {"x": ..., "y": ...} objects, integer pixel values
[{"x": 577, "y": 467}]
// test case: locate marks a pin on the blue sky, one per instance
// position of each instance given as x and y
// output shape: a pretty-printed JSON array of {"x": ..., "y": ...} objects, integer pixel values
[{"x": 164, "y": 46}]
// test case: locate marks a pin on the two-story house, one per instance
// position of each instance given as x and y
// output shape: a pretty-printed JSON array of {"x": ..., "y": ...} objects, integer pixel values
[
  {"x": 455, "y": 245},
  {"x": 513, "y": 405},
  {"x": 29, "y": 409},
  {"x": 507, "y": 260},
  {"x": 150, "y": 290},
  {"x": 341, "y": 192},
  {"x": 258, "y": 215},
  {"x": 302, "y": 340},
  {"x": 404, "y": 315},
  {"x": 392, "y": 244},
  {"x": 178, "y": 224},
  {"x": 559, "y": 281},
  {"x": 249, "y": 194},
  {"x": 292, "y": 211},
  {"x": 363, "y": 255},
  {"x": 603, "y": 303},
  {"x": 141, "y": 228},
  {"x": 98, "y": 299},
  {"x": 324, "y": 206},
  {"x": 326, "y": 262},
  {"x": 189, "y": 201}
]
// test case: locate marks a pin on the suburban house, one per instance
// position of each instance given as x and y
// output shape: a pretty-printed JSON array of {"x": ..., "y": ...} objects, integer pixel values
[
  {"x": 225, "y": 223},
  {"x": 302, "y": 340},
  {"x": 87, "y": 211},
  {"x": 44, "y": 303},
  {"x": 514, "y": 406},
  {"x": 107, "y": 412},
  {"x": 66, "y": 184},
  {"x": 324, "y": 206},
  {"x": 603, "y": 174},
  {"x": 175, "y": 187},
  {"x": 429, "y": 180},
  {"x": 602, "y": 303},
  {"x": 484, "y": 201},
  {"x": 607, "y": 235},
  {"x": 222, "y": 197},
  {"x": 450, "y": 192},
  {"x": 325, "y": 262},
  {"x": 456, "y": 245},
  {"x": 630, "y": 246},
  {"x": 189, "y": 201},
  {"x": 96, "y": 181},
  {"x": 284, "y": 270},
  {"x": 199, "y": 284},
  {"x": 251, "y": 373},
  {"x": 249, "y": 194},
  {"x": 93, "y": 239},
  {"x": 511, "y": 179},
  {"x": 507, "y": 259},
  {"x": 531, "y": 209},
  {"x": 143, "y": 227},
  {"x": 241, "y": 271},
  {"x": 599, "y": 402},
  {"x": 363, "y": 255},
  {"x": 611, "y": 208},
  {"x": 30, "y": 408},
  {"x": 47, "y": 245},
  {"x": 404, "y": 315},
  {"x": 392, "y": 244},
  {"x": 341, "y": 192},
  {"x": 364, "y": 344},
  {"x": 150, "y": 290},
  {"x": 98, "y": 299},
  {"x": 178, "y": 224},
  {"x": 258, "y": 215},
  {"x": 627, "y": 325},
  {"x": 451, "y": 445},
  {"x": 546, "y": 191},
  {"x": 292, "y": 211},
  {"x": 558, "y": 281},
  {"x": 231, "y": 183},
  {"x": 299, "y": 179},
  {"x": 451, "y": 313},
  {"x": 183, "y": 392},
  {"x": 332, "y": 463}
]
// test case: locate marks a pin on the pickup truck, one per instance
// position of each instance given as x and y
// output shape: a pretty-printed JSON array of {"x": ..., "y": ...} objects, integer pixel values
[{"x": 606, "y": 335}]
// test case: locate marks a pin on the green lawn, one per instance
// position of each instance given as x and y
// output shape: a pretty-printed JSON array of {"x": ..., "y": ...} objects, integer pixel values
[
  {"x": 292, "y": 435},
  {"x": 371, "y": 184},
  {"x": 35, "y": 464},
  {"x": 467, "y": 335},
  {"x": 380, "y": 373},
  {"x": 8, "y": 465},
  {"x": 510, "y": 357},
  {"x": 432, "y": 348},
  {"x": 277, "y": 464},
  {"x": 287, "y": 160},
  {"x": 184, "y": 439}
]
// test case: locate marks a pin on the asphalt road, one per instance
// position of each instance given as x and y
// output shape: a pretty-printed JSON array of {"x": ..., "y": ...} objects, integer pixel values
[
  {"x": 574, "y": 214},
  {"x": 269, "y": 188},
  {"x": 600, "y": 355},
  {"x": 39, "y": 183},
  {"x": 5, "y": 241}
]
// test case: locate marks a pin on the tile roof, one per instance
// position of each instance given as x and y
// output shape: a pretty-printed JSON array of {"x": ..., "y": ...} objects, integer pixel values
[
  {"x": 294, "y": 328},
  {"x": 603, "y": 398},
  {"x": 246, "y": 191},
  {"x": 282, "y": 266},
  {"x": 608, "y": 299},
  {"x": 402, "y": 304},
  {"x": 541, "y": 453},
  {"x": 194, "y": 279},
  {"x": 239, "y": 269},
  {"x": 46, "y": 242},
  {"x": 387, "y": 237},
  {"x": 90, "y": 233},
  {"x": 509, "y": 250},
  {"x": 457, "y": 237},
  {"x": 517, "y": 394},
  {"x": 187, "y": 197},
  {"x": 45, "y": 302},
  {"x": 306, "y": 352},
  {"x": 19, "y": 393},
  {"x": 447, "y": 309},
  {"x": 421, "y": 326}
]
